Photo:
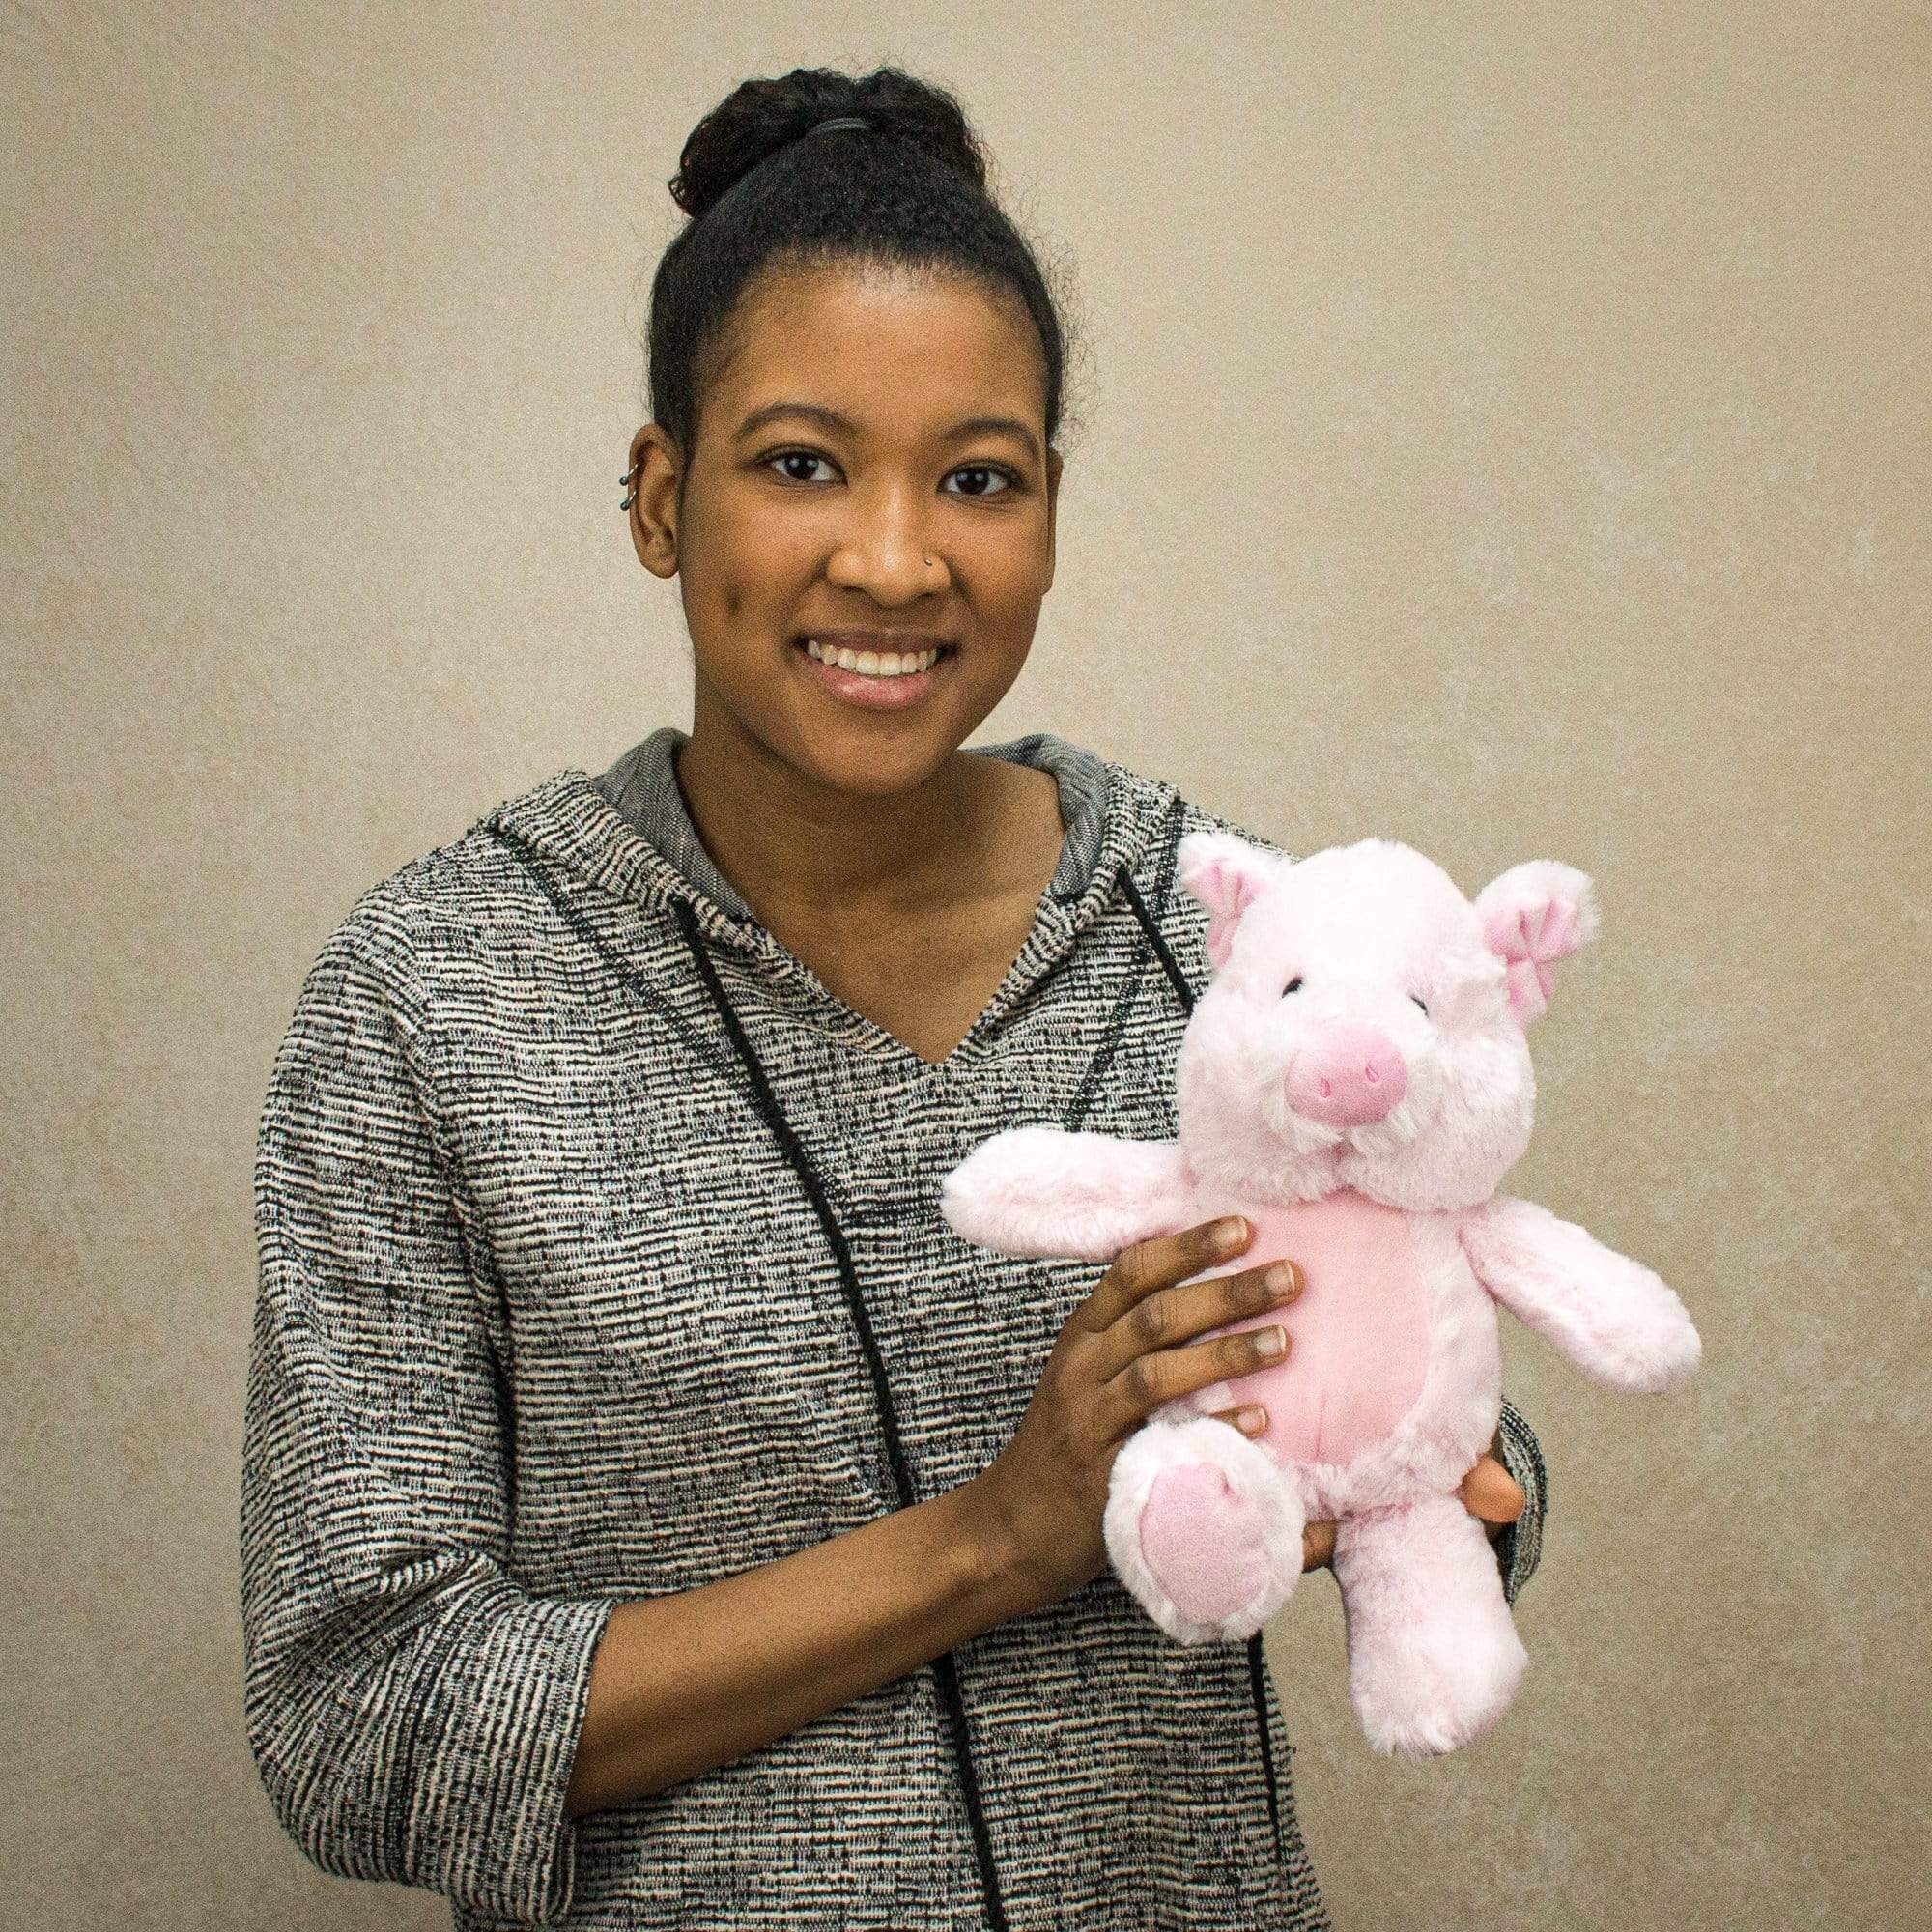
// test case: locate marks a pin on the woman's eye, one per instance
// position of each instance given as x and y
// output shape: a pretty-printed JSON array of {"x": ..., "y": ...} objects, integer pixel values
[
  {"x": 789, "y": 457},
  {"x": 1292, "y": 986},
  {"x": 1425, "y": 1010},
  {"x": 983, "y": 473}
]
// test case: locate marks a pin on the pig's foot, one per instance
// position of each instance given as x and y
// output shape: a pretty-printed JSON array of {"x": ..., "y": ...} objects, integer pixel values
[
  {"x": 1204, "y": 1527},
  {"x": 1434, "y": 1656}
]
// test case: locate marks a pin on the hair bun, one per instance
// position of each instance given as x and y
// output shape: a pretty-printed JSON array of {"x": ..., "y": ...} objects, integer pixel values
[{"x": 759, "y": 117}]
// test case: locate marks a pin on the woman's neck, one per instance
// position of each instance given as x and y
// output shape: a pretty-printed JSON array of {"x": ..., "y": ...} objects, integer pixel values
[{"x": 799, "y": 851}]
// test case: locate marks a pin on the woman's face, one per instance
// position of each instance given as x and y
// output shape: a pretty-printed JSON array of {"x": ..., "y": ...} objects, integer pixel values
[{"x": 869, "y": 471}]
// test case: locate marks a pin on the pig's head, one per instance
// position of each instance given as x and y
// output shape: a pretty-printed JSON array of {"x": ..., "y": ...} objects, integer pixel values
[{"x": 1364, "y": 1024}]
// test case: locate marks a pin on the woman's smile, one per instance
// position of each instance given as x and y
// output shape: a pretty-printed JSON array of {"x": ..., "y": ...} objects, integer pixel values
[{"x": 878, "y": 671}]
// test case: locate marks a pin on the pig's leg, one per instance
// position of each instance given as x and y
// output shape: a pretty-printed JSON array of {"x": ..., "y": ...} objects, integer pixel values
[
  {"x": 1204, "y": 1527},
  {"x": 1434, "y": 1657}
]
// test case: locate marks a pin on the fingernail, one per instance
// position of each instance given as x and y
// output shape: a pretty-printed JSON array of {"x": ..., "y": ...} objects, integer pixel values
[
  {"x": 1254, "y": 1420},
  {"x": 1229, "y": 1235},
  {"x": 1271, "y": 1341},
  {"x": 1280, "y": 1278}
]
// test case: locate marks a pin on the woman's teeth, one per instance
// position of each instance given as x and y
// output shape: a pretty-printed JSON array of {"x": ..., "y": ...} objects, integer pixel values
[{"x": 874, "y": 664}]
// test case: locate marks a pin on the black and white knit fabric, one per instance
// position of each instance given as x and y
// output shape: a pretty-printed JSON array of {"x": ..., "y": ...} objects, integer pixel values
[{"x": 600, "y": 1256}]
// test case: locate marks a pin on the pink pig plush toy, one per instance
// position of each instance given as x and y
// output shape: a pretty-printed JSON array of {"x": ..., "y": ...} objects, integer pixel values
[{"x": 1355, "y": 1082}]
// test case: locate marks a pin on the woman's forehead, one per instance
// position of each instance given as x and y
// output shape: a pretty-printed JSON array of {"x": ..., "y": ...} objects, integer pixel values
[{"x": 879, "y": 343}]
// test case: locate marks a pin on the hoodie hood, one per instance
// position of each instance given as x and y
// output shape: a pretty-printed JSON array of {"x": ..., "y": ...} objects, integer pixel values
[{"x": 627, "y": 832}]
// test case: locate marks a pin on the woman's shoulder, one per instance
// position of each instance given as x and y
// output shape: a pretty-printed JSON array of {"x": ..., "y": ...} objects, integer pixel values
[{"x": 472, "y": 893}]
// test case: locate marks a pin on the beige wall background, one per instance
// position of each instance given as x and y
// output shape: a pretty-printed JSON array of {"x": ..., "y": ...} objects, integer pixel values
[{"x": 1505, "y": 429}]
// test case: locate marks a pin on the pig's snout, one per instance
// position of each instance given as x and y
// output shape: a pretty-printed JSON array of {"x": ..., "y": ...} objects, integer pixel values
[{"x": 1349, "y": 1076}]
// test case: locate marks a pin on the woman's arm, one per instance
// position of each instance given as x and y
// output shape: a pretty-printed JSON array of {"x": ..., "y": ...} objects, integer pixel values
[
  {"x": 686, "y": 1681},
  {"x": 411, "y": 1706}
]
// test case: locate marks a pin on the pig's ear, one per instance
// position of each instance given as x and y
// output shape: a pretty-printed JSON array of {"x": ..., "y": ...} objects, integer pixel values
[
  {"x": 1534, "y": 915},
  {"x": 1225, "y": 873}
]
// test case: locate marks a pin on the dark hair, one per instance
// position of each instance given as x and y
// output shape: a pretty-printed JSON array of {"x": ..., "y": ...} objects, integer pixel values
[{"x": 909, "y": 189}]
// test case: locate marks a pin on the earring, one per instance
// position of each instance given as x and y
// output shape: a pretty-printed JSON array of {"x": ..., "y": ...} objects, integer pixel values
[{"x": 628, "y": 481}]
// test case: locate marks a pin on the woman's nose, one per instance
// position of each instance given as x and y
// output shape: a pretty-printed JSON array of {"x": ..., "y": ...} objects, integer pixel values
[{"x": 884, "y": 555}]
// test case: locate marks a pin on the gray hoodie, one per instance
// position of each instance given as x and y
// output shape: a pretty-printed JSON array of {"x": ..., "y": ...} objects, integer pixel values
[{"x": 600, "y": 1256}]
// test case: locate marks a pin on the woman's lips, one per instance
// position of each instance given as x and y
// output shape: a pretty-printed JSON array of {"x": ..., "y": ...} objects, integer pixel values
[{"x": 873, "y": 693}]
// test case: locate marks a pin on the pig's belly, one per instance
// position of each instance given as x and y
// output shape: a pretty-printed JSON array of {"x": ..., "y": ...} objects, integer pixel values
[{"x": 1359, "y": 1332}]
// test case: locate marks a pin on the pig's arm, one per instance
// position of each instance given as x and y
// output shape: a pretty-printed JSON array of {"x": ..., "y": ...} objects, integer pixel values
[
  {"x": 1615, "y": 1319},
  {"x": 1043, "y": 1191}
]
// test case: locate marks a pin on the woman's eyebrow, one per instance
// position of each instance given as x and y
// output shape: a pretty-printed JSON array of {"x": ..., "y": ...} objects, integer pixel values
[{"x": 830, "y": 419}]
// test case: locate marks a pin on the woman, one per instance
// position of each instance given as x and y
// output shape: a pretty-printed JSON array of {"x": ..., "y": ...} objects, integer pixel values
[{"x": 652, "y": 1514}]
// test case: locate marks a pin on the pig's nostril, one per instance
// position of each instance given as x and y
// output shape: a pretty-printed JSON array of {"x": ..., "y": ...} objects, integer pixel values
[
  {"x": 1327, "y": 1091},
  {"x": 1370, "y": 1074}
]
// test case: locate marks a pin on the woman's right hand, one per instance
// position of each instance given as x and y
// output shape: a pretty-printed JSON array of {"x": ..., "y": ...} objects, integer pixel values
[{"x": 1127, "y": 1348}]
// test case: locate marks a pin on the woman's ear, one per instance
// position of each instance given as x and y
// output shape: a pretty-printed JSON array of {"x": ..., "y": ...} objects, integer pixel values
[{"x": 655, "y": 472}]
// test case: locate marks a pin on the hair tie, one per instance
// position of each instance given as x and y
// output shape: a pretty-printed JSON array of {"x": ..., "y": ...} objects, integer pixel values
[{"x": 842, "y": 121}]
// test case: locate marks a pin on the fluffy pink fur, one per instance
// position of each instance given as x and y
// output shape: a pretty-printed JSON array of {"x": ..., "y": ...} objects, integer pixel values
[{"x": 1361, "y": 961}]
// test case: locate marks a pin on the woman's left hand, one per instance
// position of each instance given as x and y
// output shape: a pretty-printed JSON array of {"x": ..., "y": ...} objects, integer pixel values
[{"x": 1488, "y": 1491}]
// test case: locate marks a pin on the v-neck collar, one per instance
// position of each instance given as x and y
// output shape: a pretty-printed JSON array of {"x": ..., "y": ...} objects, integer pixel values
[{"x": 642, "y": 786}]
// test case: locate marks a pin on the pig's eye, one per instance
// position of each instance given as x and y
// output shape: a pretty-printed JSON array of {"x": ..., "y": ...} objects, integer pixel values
[
  {"x": 1425, "y": 1010},
  {"x": 1292, "y": 986}
]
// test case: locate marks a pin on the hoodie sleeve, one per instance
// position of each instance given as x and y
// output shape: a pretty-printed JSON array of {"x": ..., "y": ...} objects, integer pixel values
[
  {"x": 1519, "y": 1548},
  {"x": 413, "y": 1711}
]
